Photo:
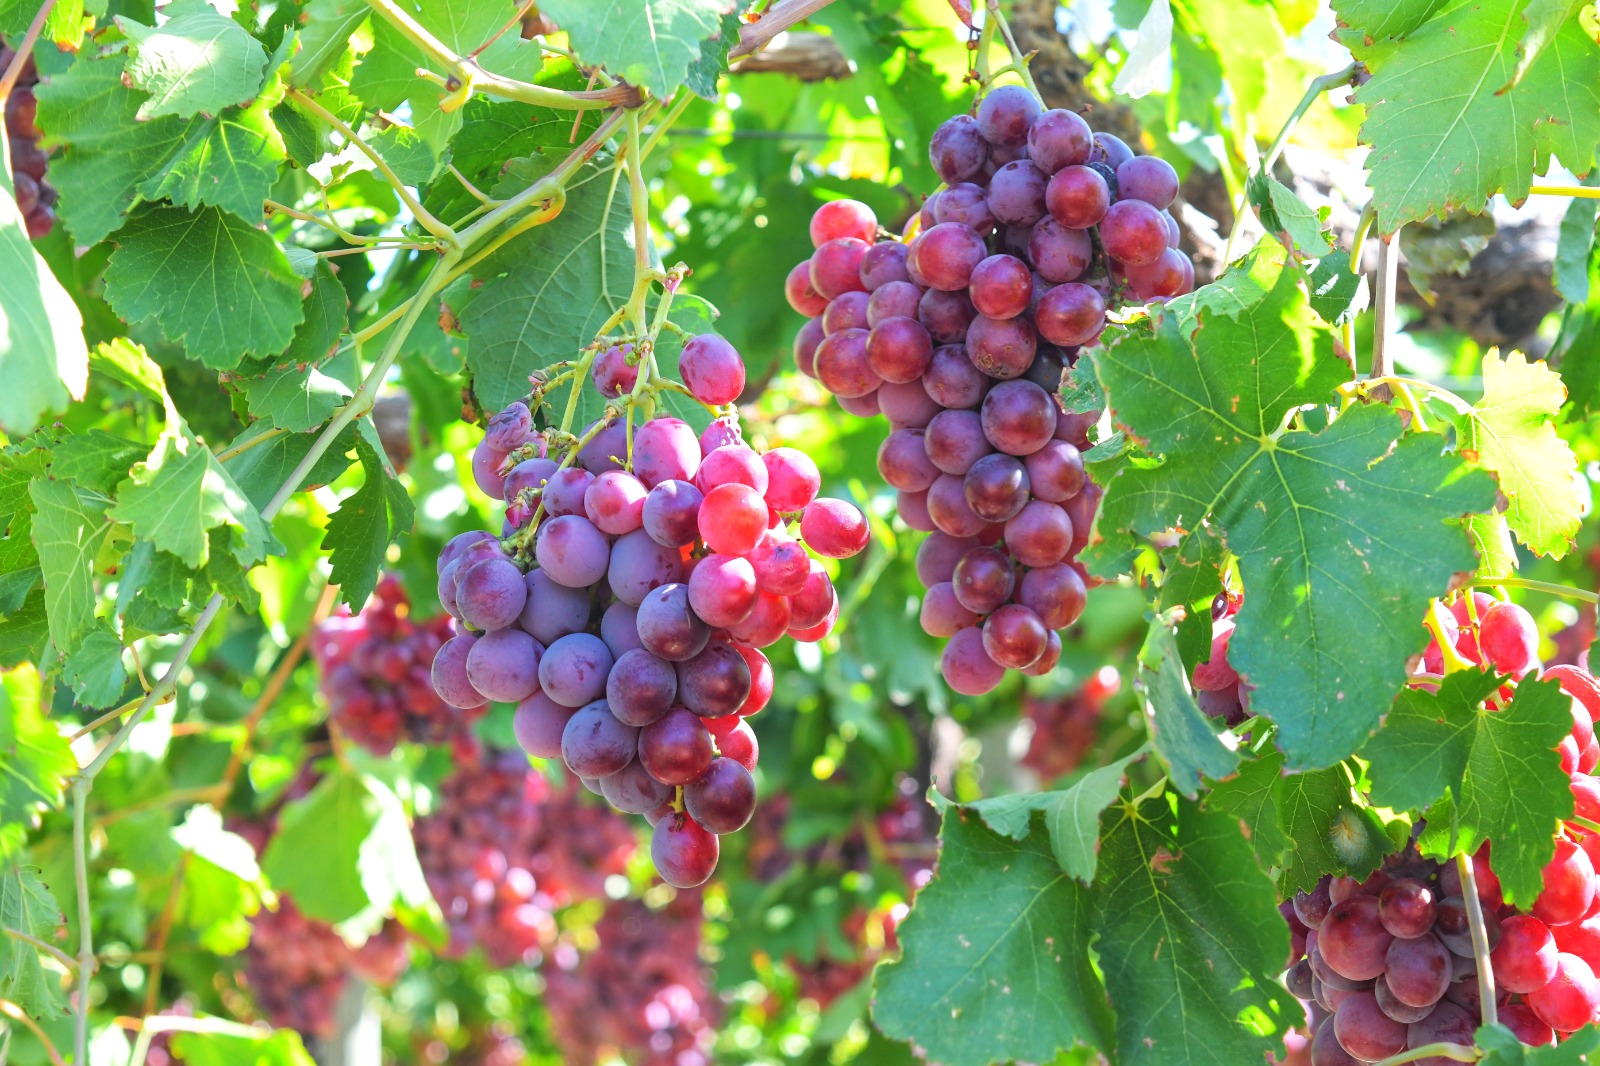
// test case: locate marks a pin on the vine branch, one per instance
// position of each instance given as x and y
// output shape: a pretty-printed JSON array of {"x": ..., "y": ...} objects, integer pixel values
[
  {"x": 754, "y": 36},
  {"x": 8, "y": 81}
]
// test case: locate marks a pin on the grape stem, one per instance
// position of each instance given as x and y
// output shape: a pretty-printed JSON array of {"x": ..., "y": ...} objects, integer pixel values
[
  {"x": 1582, "y": 192},
  {"x": 87, "y": 963},
  {"x": 754, "y": 36},
  {"x": 1480, "y": 938},
  {"x": 1583, "y": 823},
  {"x": 1539, "y": 586},
  {"x": 1435, "y": 621},
  {"x": 1383, "y": 325},
  {"x": 1019, "y": 62},
  {"x": 16, "y": 1013},
  {"x": 1454, "y": 1052},
  {"x": 1317, "y": 87}
]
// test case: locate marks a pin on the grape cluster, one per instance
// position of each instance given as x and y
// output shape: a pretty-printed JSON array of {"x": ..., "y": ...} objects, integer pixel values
[
  {"x": 1218, "y": 689},
  {"x": 36, "y": 198},
  {"x": 625, "y": 607},
  {"x": 960, "y": 337},
  {"x": 296, "y": 968},
  {"x": 1065, "y": 727},
  {"x": 641, "y": 990},
  {"x": 376, "y": 675},
  {"x": 1387, "y": 964},
  {"x": 476, "y": 847}
]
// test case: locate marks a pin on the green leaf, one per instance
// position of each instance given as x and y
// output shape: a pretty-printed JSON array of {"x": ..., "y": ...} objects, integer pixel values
[
  {"x": 414, "y": 161},
  {"x": 1385, "y": 18},
  {"x": 531, "y": 315},
  {"x": 325, "y": 29},
  {"x": 179, "y": 493},
  {"x": 24, "y": 631},
  {"x": 1501, "y": 1047},
  {"x": 1071, "y": 815},
  {"x": 64, "y": 25},
  {"x": 1500, "y": 769},
  {"x": 127, "y": 362},
  {"x": 221, "y": 287},
  {"x": 361, "y": 530},
  {"x": 230, "y": 161},
  {"x": 1512, "y": 432},
  {"x": 296, "y": 398},
  {"x": 1288, "y": 218},
  {"x": 197, "y": 61},
  {"x": 1250, "y": 796},
  {"x": 1179, "y": 730},
  {"x": 1574, "y": 245},
  {"x": 701, "y": 77},
  {"x": 1447, "y": 135},
  {"x": 221, "y": 887},
  {"x": 262, "y": 469},
  {"x": 651, "y": 44},
  {"x": 1331, "y": 832},
  {"x": 1545, "y": 19},
  {"x": 345, "y": 849},
  {"x": 1342, "y": 536},
  {"x": 1189, "y": 938},
  {"x": 1491, "y": 538},
  {"x": 27, "y": 906},
  {"x": 36, "y": 761},
  {"x": 223, "y": 1043},
  {"x": 995, "y": 963},
  {"x": 387, "y": 75},
  {"x": 97, "y": 460},
  {"x": 94, "y": 670},
  {"x": 69, "y": 529},
  {"x": 43, "y": 359}
]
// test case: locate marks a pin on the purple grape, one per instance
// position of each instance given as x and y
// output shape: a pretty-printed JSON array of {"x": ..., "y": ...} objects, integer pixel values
[
  {"x": 954, "y": 441},
  {"x": 1056, "y": 471},
  {"x": 450, "y": 679},
  {"x": 1077, "y": 197},
  {"x": 714, "y": 683},
  {"x": 564, "y": 492},
  {"x": 1040, "y": 534},
  {"x": 983, "y": 580},
  {"x": 668, "y": 627},
  {"x": 675, "y": 748},
  {"x": 996, "y": 487},
  {"x": 1001, "y": 286},
  {"x": 619, "y": 629},
  {"x": 528, "y": 476},
  {"x": 1071, "y": 314},
  {"x": 883, "y": 263},
  {"x": 1016, "y": 194},
  {"x": 903, "y": 461},
  {"x": 1014, "y": 636},
  {"x": 685, "y": 855},
  {"x": 843, "y": 366},
  {"x": 641, "y": 687},
  {"x": 574, "y": 668},
  {"x": 665, "y": 449},
  {"x": 1018, "y": 417},
  {"x": 942, "y": 614},
  {"x": 949, "y": 510},
  {"x": 490, "y": 593},
  {"x": 946, "y": 255},
  {"x": 1001, "y": 348},
  {"x": 1110, "y": 149},
  {"x": 1059, "y": 139},
  {"x": 723, "y": 798},
  {"x": 510, "y": 427},
  {"x": 672, "y": 514},
  {"x": 1148, "y": 178},
  {"x": 938, "y": 555},
  {"x": 846, "y": 311},
  {"x": 504, "y": 665},
  {"x": 899, "y": 350},
  {"x": 1133, "y": 233},
  {"x": 605, "y": 449},
  {"x": 908, "y": 404},
  {"x": 894, "y": 299},
  {"x": 967, "y": 204},
  {"x": 966, "y": 666},
  {"x": 951, "y": 379},
  {"x": 1059, "y": 254},
  {"x": 957, "y": 149},
  {"x": 1007, "y": 114},
  {"x": 538, "y": 725},
  {"x": 633, "y": 791},
  {"x": 596, "y": 745},
  {"x": 946, "y": 315},
  {"x": 572, "y": 551},
  {"x": 806, "y": 341}
]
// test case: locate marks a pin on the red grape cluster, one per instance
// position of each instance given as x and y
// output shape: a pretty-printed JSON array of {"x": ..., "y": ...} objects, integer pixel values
[
  {"x": 1387, "y": 964},
  {"x": 36, "y": 198},
  {"x": 641, "y": 990},
  {"x": 295, "y": 969},
  {"x": 476, "y": 850},
  {"x": 1065, "y": 727},
  {"x": 960, "y": 338},
  {"x": 625, "y": 609},
  {"x": 376, "y": 675}
]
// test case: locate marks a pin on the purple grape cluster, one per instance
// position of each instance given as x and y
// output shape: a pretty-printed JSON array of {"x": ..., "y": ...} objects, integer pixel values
[
  {"x": 296, "y": 969},
  {"x": 376, "y": 674},
  {"x": 624, "y": 608},
  {"x": 36, "y": 197},
  {"x": 960, "y": 337},
  {"x": 641, "y": 990}
]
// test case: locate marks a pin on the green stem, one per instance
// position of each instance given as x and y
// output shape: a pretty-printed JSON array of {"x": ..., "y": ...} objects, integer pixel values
[
  {"x": 678, "y": 108},
  {"x": 273, "y": 207},
  {"x": 1456, "y": 1052},
  {"x": 1583, "y": 192},
  {"x": 250, "y": 442},
  {"x": 424, "y": 217},
  {"x": 1583, "y": 823},
  {"x": 1317, "y": 87},
  {"x": 80, "y": 871},
  {"x": 1480, "y": 938},
  {"x": 1511, "y": 581},
  {"x": 39, "y": 945},
  {"x": 1384, "y": 322},
  {"x": 1019, "y": 62}
]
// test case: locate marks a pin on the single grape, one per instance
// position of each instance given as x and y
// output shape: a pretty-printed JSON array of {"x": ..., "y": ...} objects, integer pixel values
[
  {"x": 1016, "y": 194},
  {"x": 996, "y": 487},
  {"x": 815, "y": 600},
  {"x": 1170, "y": 275},
  {"x": 1365, "y": 1031},
  {"x": 739, "y": 744},
  {"x": 1001, "y": 286},
  {"x": 1018, "y": 417},
  {"x": 684, "y": 854},
  {"x": 1006, "y": 115},
  {"x": 801, "y": 294},
  {"x": 1526, "y": 1025},
  {"x": 1353, "y": 940},
  {"x": 1039, "y": 535},
  {"x": 834, "y": 528},
  {"x": 865, "y": 406},
  {"x": 781, "y": 565},
  {"x": 573, "y": 670},
  {"x": 1014, "y": 636},
  {"x": 1059, "y": 254},
  {"x": 1059, "y": 139},
  {"x": 504, "y": 665},
  {"x": 529, "y": 476},
  {"x": 596, "y": 745},
  {"x": 732, "y": 464},
  {"x": 899, "y": 349},
  {"x": 639, "y": 564},
  {"x": 946, "y": 315},
  {"x": 957, "y": 149},
  {"x": 668, "y": 627},
  {"x": 450, "y": 679},
  {"x": 983, "y": 580},
  {"x": 946, "y": 255},
  {"x": 1077, "y": 197},
  {"x": 715, "y": 682},
  {"x": 1569, "y": 885},
  {"x": 564, "y": 492},
  {"x": 952, "y": 380},
  {"x": 572, "y": 551},
  {"x": 538, "y": 725},
  {"x": 1001, "y": 348},
  {"x": 938, "y": 555},
  {"x": 1418, "y": 971},
  {"x": 792, "y": 479},
  {"x": 711, "y": 369},
  {"x": 614, "y": 502},
  {"x": 762, "y": 680},
  {"x": 1055, "y": 471},
  {"x": 884, "y": 263},
  {"x": 942, "y": 614},
  {"x": 967, "y": 204},
  {"x": 844, "y": 218},
  {"x": 1509, "y": 638},
  {"x": 1133, "y": 232},
  {"x": 723, "y": 798},
  {"x": 490, "y": 593},
  {"x": 1572, "y": 998},
  {"x": 1407, "y": 907},
  {"x": 1071, "y": 314},
  {"x": 767, "y": 621},
  {"x": 633, "y": 791},
  {"x": 966, "y": 667},
  {"x": 508, "y": 427},
  {"x": 1401, "y": 1012},
  {"x": 722, "y": 590},
  {"x": 1525, "y": 958},
  {"x": 1326, "y": 1049},
  {"x": 896, "y": 299},
  {"x": 721, "y": 433},
  {"x": 912, "y": 507},
  {"x": 605, "y": 450},
  {"x": 846, "y": 311},
  {"x": 843, "y": 366},
  {"x": 1149, "y": 178},
  {"x": 671, "y": 513},
  {"x": 907, "y": 404},
  {"x": 1110, "y": 150},
  {"x": 612, "y": 374},
  {"x": 903, "y": 461},
  {"x": 948, "y": 507},
  {"x": 675, "y": 748},
  {"x": 619, "y": 628},
  {"x": 836, "y": 266},
  {"x": 733, "y": 519}
]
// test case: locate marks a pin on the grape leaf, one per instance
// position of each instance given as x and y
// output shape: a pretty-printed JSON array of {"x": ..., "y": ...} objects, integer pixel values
[
  {"x": 1575, "y": 243},
  {"x": 1491, "y": 538},
  {"x": 69, "y": 529},
  {"x": 1445, "y": 135},
  {"x": 179, "y": 493},
  {"x": 1545, "y": 19},
  {"x": 1511, "y": 431},
  {"x": 197, "y": 61},
  {"x": 127, "y": 362},
  {"x": 532, "y": 314},
  {"x": 327, "y": 314},
  {"x": 1330, "y": 831},
  {"x": 223, "y": 288},
  {"x": 387, "y": 74},
  {"x": 94, "y": 669},
  {"x": 64, "y": 25},
  {"x": 995, "y": 965},
  {"x": 414, "y": 161},
  {"x": 1499, "y": 768},
  {"x": 221, "y": 886},
  {"x": 97, "y": 460},
  {"x": 24, "y": 631},
  {"x": 260, "y": 470},
  {"x": 1342, "y": 535},
  {"x": 1071, "y": 815},
  {"x": 36, "y": 760},
  {"x": 1287, "y": 217},
  {"x": 1251, "y": 797},
  {"x": 229, "y": 1044},
  {"x": 111, "y": 157},
  {"x": 325, "y": 29},
  {"x": 43, "y": 358},
  {"x": 296, "y": 398},
  {"x": 27, "y": 905},
  {"x": 1178, "y": 729},
  {"x": 1501, "y": 1047},
  {"x": 652, "y": 44},
  {"x": 345, "y": 849},
  {"x": 361, "y": 530},
  {"x": 1385, "y": 18},
  {"x": 701, "y": 77},
  {"x": 1189, "y": 938}
]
